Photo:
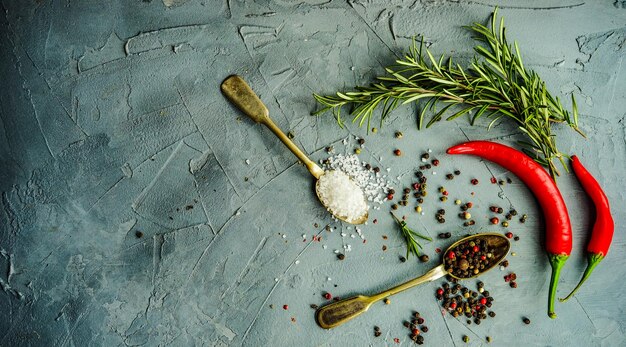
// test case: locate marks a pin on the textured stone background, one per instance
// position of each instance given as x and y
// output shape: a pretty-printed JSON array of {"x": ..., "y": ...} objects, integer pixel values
[{"x": 112, "y": 123}]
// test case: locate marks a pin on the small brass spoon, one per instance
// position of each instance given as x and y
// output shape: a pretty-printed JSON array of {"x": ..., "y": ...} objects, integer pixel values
[
  {"x": 246, "y": 100},
  {"x": 339, "y": 312}
]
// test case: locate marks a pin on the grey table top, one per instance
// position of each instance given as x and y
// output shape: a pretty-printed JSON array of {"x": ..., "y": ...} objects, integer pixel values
[{"x": 113, "y": 127}]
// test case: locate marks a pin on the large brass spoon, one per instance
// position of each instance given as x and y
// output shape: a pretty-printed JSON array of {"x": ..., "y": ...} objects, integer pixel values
[
  {"x": 242, "y": 96},
  {"x": 339, "y": 312}
]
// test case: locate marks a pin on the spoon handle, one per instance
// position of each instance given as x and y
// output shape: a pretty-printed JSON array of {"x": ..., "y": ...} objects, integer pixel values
[
  {"x": 245, "y": 99},
  {"x": 339, "y": 312}
]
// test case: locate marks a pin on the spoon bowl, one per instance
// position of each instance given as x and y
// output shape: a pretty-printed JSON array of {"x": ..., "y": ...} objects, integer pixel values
[
  {"x": 239, "y": 93},
  {"x": 339, "y": 312}
]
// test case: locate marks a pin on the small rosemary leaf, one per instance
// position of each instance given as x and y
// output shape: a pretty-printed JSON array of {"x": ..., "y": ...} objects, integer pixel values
[
  {"x": 485, "y": 53},
  {"x": 420, "y": 119},
  {"x": 575, "y": 110},
  {"x": 478, "y": 114},
  {"x": 439, "y": 114},
  {"x": 417, "y": 97},
  {"x": 494, "y": 121},
  {"x": 433, "y": 61},
  {"x": 460, "y": 113},
  {"x": 343, "y": 96},
  {"x": 442, "y": 81}
]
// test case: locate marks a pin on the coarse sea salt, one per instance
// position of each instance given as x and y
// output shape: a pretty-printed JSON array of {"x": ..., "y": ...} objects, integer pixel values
[
  {"x": 373, "y": 185},
  {"x": 341, "y": 196}
]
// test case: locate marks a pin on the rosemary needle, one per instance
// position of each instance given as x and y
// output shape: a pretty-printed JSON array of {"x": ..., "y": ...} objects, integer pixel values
[
  {"x": 412, "y": 244},
  {"x": 497, "y": 87}
]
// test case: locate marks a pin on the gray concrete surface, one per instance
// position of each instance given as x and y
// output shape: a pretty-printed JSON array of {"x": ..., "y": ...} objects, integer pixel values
[{"x": 113, "y": 124}]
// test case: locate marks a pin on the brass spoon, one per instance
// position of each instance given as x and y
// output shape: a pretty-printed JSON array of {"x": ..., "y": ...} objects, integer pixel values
[
  {"x": 339, "y": 312},
  {"x": 244, "y": 98}
]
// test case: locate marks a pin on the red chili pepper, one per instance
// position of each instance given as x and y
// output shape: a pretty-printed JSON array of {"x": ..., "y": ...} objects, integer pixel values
[
  {"x": 603, "y": 227},
  {"x": 557, "y": 223}
]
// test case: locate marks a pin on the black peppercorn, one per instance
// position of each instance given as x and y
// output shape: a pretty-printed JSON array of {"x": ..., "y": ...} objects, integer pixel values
[{"x": 526, "y": 320}]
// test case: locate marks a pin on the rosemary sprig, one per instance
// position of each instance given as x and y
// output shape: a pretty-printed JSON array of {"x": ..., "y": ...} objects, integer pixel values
[
  {"x": 496, "y": 87},
  {"x": 412, "y": 244}
]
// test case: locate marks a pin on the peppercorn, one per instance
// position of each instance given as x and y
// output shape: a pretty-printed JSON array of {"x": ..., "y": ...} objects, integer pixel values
[
  {"x": 402, "y": 259},
  {"x": 341, "y": 256},
  {"x": 516, "y": 238},
  {"x": 329, "y": 149},
  {"x": 474, "y": 181},
  {"x": 488, "y": 339},
  {"x": 428, "y": 166},
  {"x": 327, "y": 296},
  {"x": 420, "y": 200},
  {"x": 443, "y": 198},
  {"x": 505, "y": 224},
  {"x": 492, "y": 314},
  {"x": 420, "y": 320},
  {"x": 449, "y": 176},
  {"x": 424, "y": 258},
  {"x": 508, "y": 216},
  {"x": 435, "y": 162},
  {"x": 397, "y": 152},
  {"x": 138, "y": 234},
  {"x": 513, "y": 284},
  {"x": 398, "y": 135},
  {"x": 374, "y": 130},
  {"x": 466, "y": 339},
  {"x": 406, "y": 324},
  {"x": 418, "y": 209},
  {"x": 424, "y": 329},
  {"x": 526, "y": 320},
  {"x": 387, "y": 301},
  {"x": 469, "y": 205},
  {"x": 457, "y": 172},
  {"x": 377, "y": 333},
  {"x": 389, "y": 196},
  {"x": 499, "y": 210},
  {"x": 357, "y": 151},
  {"x": 509, "y": 235},
  {"x": 285, "y": 307},
  {"x": 394, "y": 207},
  {"x": 513, "y": 213},
  {"x": 419, "y": 339},
  {"x": 494, "y": 220},
  {"x": 376, "y": 169}
]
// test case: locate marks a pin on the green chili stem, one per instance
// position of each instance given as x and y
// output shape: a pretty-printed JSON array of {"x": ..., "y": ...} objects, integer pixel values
[
  {"x": 593, "y": 260},
  {"x": 557, "y": 262}
]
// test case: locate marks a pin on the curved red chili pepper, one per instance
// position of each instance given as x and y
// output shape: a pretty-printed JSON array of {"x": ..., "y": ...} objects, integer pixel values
[
  {"x": 603, "y": 227},
  {"x": 558, "y": 227}
]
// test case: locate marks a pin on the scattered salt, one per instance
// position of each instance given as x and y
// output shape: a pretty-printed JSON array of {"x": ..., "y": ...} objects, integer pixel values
[
  {"x": 297, "y": 262},
  {"x": 248, "y": 161}
]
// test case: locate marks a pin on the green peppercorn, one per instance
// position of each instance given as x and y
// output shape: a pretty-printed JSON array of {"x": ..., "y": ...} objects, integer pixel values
[
  {"x": 443, "y": 198},
  {"x": 505, "y": 224},
  {"x": 357, "y": 151},
  {"x": 466, "y": 339},
  {"x": 398, "y": 134},
  {"x": 374, "y": 130},
  {"x": 488, "y": 339}
]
